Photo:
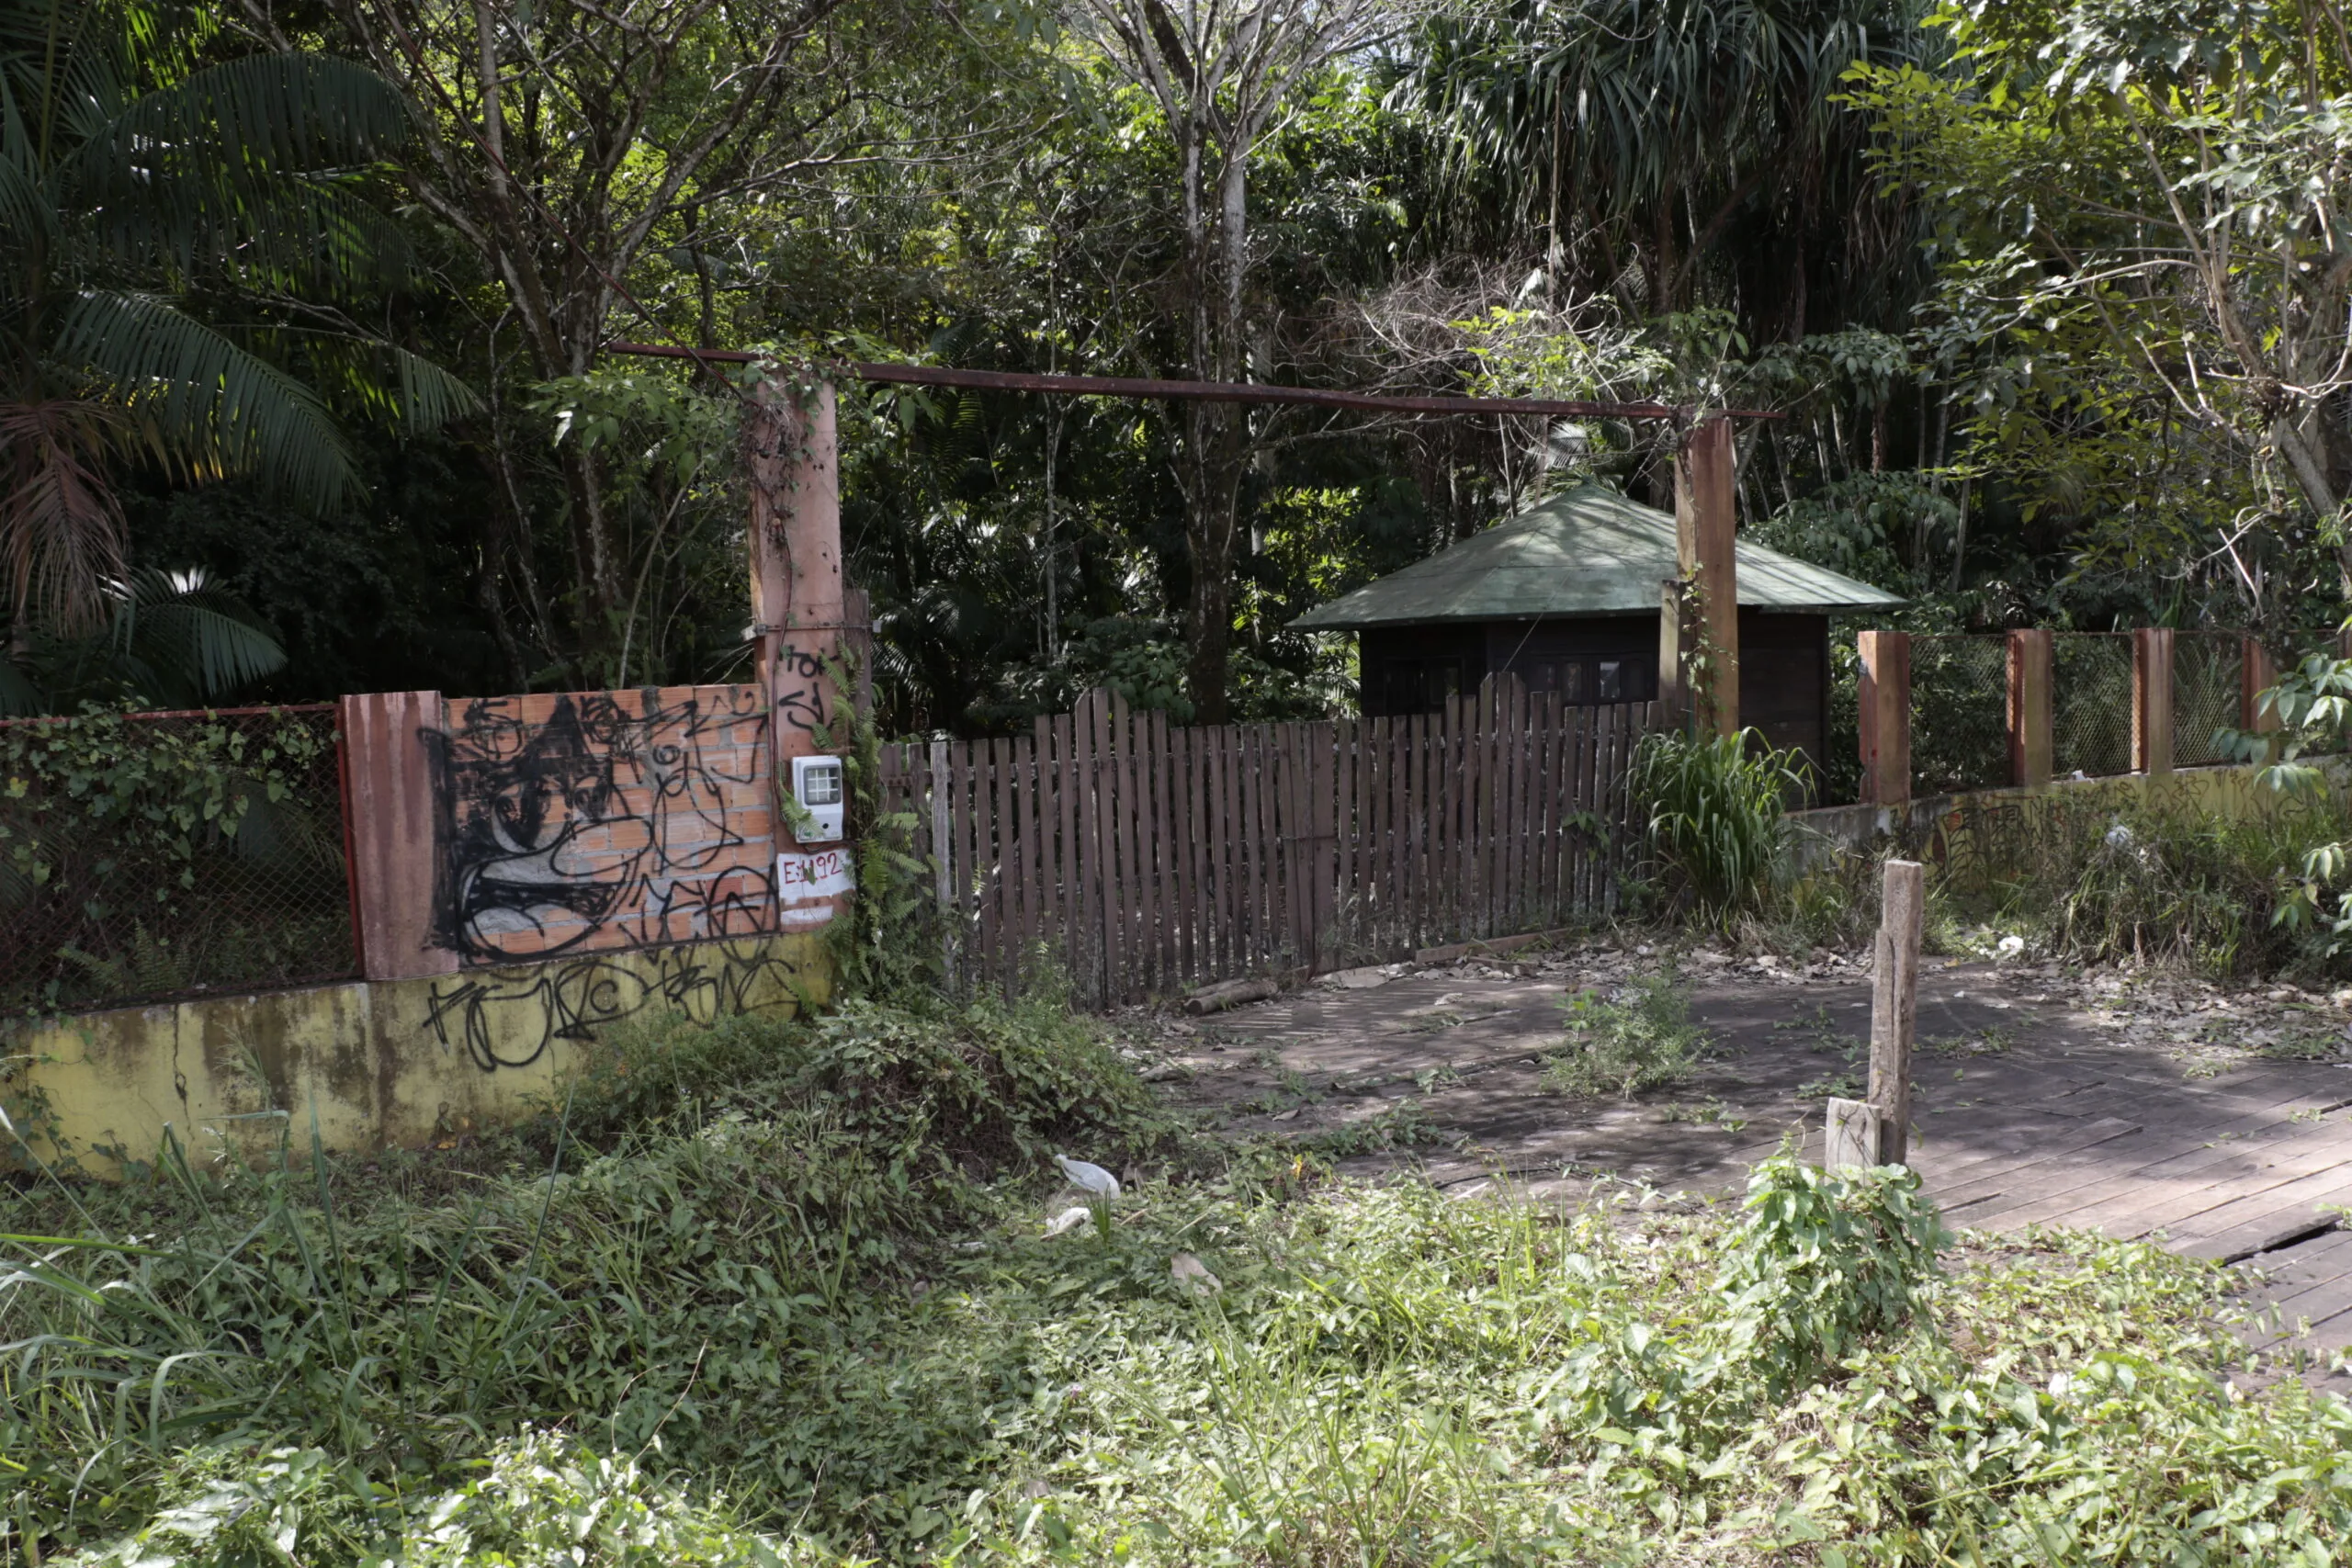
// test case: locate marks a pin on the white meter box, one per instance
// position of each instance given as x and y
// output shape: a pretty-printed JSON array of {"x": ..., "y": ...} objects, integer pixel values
[{"x": 818, "y": 784}]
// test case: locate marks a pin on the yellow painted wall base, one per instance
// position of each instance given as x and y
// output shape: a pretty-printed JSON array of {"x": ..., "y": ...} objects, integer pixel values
[{"x": 411, "y": 1063}]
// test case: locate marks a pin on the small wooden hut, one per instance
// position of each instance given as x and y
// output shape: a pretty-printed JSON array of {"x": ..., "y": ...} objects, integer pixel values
[{"x": 1565, "y": 596}]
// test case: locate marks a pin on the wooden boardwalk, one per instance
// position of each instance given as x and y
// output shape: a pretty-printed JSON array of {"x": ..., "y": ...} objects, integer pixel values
[{"x": 2028, "y": 1109}]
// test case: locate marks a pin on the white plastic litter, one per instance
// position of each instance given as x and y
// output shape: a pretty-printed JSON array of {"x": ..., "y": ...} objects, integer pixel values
[
  {"x": 1091, "y": 1179},
  {"x": 1070, "y": 1219}
]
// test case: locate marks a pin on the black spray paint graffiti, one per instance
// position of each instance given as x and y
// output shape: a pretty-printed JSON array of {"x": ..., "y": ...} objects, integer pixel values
[
  {"x": 573, "y": 821},
  {"x": 509, "y": 1019},
  {"x": 800, "y": 689}
]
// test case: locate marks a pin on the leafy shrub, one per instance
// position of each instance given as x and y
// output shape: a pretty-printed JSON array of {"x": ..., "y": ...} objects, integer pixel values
[
  {"x": 1822, "y": 1263},
  {"x": 1716, "y": 829},
  {"x": 1643, "y": 1039}
]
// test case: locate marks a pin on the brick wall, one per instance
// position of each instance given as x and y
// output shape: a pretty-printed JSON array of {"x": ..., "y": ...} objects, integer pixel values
[{"x": 586, "y": 820}]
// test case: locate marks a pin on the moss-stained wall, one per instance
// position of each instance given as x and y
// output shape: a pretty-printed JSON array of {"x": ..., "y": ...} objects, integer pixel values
[{"x": 413, "y": 1063}]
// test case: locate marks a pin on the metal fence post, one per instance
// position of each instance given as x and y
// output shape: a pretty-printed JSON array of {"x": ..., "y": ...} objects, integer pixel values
[
  {"x": 1885, "y": 716},
  {"x": 2152, "y": 700},
  {"x": 2031, "y": 741}
]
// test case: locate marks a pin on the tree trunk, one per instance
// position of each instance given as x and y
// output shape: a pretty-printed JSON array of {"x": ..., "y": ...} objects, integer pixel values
[{"x": 1210, "y": 473}]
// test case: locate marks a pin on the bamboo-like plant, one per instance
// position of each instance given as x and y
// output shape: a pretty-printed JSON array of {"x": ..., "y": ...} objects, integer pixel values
[{"x": 1715, "y": 825}]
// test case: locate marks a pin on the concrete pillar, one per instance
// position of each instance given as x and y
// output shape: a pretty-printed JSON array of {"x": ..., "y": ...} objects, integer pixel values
[
  {"x": 799, "y": 608},
  {"x": 1886, "y": 717},
  {"x": 2152, "y": 700},
  {"x": 1705, "y": 519},
  {"x": 394, "y": 831},
  {"x": 2031, "y": 743}
]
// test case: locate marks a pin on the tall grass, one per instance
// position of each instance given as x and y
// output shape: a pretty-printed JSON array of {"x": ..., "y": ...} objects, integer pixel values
[{"x": 1715, "y": 827}]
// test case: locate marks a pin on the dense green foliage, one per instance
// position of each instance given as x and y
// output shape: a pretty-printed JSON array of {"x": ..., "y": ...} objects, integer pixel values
[{"x": 2025, "y": 378}]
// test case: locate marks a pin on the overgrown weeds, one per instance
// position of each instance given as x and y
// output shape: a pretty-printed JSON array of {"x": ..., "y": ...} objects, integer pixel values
[
  {"x": 2110, "y": 878},
  {"x": 1642, "y": 1038},
  {"x": 1381, "y": 1375}
]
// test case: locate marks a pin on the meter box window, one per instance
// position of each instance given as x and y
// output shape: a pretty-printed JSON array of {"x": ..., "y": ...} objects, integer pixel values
[{"x": 816, "y": 785}]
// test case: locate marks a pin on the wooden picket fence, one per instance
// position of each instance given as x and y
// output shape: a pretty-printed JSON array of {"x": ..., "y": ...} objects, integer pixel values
[{"x": 1142, "y": 857}]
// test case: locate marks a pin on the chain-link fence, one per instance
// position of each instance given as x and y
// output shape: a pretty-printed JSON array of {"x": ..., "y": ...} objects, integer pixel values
[
  {"x": 2206, "y": 693},
  {"x": 144, "y": 856},
  {"x": 1960, "y": 714},
  {"x": 2090, "y": 701}
]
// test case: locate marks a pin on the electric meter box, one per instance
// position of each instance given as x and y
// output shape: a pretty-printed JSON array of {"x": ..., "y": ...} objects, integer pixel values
[{"x": 818, "y": 785}]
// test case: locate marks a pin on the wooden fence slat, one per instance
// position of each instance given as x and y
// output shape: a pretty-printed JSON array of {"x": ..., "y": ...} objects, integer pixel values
[
  {"x": 1163, "y": 854},
  {"x": 1090, "y": 846},
  {"x": 1036, "y": 925}
]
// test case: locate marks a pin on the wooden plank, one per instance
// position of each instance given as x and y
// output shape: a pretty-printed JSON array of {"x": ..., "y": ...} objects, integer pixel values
[
  {"x": 1337, "y": 804},
  {"x": 988, "y": 826},
  {"x": 1141, "y": 870},
  {"x": 1371, "y": 805},
  {"x": 1239, "y": 850},
  {"x": 1166, "y": 854},
  {"x": 2174, "y": 1169},
  {"x": 959, "y": 811},
  {"x": 1186, "y": 845},
  {"x": 1555, "y": 755},
  {"x": 1282, "y": 828},
  {"x": 1119, "y": 893},
  {"x": 1853, "y": 1137},
  {"x": 942, "y": 849},
  {"x": 1067, "y": 900},
  {"x": 1521, "y": 870},
  {"x": 1440, "y": 884},
  {"x": 1086, "y": 737},
  {"x": 1323, "y": 818},
  {"x": 1447, "y": 860},
  {"x": 2260, "y": 1221},
  {"x": 1037, "y": 827},
  {"x": 1247, "y": 872},
  {"x": 1227, "y": 851},
  {"x": 1895, "y": 1003},
  {"x": 1998, "y": 1177}
]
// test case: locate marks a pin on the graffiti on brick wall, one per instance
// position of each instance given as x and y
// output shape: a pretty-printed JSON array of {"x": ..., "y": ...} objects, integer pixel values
[
  {"x": 509, "y": 1019},
  {"x": 602, "y": 820}
]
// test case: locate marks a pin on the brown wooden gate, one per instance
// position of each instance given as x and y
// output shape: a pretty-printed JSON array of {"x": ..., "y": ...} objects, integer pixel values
[{"x": 1142, "y": 856}]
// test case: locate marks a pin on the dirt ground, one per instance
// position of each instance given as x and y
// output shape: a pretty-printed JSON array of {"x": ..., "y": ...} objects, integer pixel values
[{"x": 2213, "y": 1120}]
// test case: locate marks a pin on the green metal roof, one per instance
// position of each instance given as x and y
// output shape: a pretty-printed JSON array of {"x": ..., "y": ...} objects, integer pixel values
[{"x": 1588, "y": 551}]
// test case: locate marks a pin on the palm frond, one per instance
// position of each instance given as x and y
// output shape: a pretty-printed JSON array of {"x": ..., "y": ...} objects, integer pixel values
[
  {"x": 249, "y": 153},
  {"x": 191, "y": 642},
  {"x": 208, "y": 405},
  {"x": 60, "y": 523}
]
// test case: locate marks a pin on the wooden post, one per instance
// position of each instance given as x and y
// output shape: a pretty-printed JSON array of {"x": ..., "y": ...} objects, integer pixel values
[
  {"x": 395, "y": 832},
  {"x": 1705, "y": 519},
  {"x": 1895, "y": 1004},
  {"x": 1673, "y": 636},
  {"x": 2257, "y": 674},
  {"x": 1853, "y": 1136},
  {"x": 2152, "y": 700},
  {"x": 1885, "y": 694},
  {"x": 2030, "y": 740}
]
